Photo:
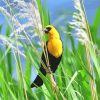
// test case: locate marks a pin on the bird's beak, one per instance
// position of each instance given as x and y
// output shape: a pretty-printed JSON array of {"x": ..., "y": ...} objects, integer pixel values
[{"x": 45, "y": 30}]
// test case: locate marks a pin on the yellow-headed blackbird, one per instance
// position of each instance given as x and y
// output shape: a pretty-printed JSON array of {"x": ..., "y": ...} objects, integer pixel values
[{"x": 54, "y": 50}]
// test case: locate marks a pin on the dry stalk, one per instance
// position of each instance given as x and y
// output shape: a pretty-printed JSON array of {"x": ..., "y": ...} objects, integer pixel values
[{"x": 92, "y": 81}]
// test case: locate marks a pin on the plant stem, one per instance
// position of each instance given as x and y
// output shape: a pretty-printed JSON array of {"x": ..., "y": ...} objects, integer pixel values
[{"x": 92, "y": 81}]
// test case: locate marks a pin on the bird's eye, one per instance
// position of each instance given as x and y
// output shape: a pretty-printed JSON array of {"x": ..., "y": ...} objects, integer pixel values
[{"x": 47, "y": 29}]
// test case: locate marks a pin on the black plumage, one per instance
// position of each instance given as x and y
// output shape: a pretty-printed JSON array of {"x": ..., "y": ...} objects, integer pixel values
[{"x": 53, "y": 61}]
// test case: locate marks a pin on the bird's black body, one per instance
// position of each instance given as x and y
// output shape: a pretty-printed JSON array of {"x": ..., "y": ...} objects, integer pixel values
[{"x": 53, "y": 62}]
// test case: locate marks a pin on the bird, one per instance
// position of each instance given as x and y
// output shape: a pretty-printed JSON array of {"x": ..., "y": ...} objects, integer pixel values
[{"x": 54, "y": 49}]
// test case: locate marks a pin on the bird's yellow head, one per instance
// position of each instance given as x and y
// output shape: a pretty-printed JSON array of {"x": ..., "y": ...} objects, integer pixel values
[{"x": 51, "y": 31}]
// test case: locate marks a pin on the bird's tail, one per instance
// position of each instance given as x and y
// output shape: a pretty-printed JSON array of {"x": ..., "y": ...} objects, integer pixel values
[{"x": 37, "y": 82}]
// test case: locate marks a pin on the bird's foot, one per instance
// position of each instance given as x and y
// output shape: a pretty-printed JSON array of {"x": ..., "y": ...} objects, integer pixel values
[{"x": 48, "y": 70}]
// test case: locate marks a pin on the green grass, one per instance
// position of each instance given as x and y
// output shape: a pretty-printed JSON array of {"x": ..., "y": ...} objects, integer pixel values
[{"x": 72, "y": 77}]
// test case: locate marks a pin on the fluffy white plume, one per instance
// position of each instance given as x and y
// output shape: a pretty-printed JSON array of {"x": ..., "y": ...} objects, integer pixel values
[
  {"x": 24, "y": 20},
  {"x": 79, "y": 23}
]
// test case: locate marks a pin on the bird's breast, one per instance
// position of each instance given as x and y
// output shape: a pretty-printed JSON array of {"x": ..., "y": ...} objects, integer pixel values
[{"x": 55, "y": 47}]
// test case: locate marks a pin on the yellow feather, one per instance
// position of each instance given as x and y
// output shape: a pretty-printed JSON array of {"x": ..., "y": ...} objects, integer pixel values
[
  {"x": 54, "y": 42},
  {"x": 55, "y": 47}
]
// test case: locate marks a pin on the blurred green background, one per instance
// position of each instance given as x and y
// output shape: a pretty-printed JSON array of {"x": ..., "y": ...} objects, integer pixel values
[{"x": 72, "y": 77}]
